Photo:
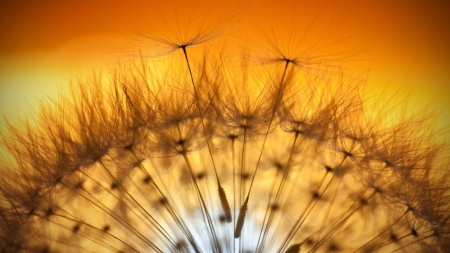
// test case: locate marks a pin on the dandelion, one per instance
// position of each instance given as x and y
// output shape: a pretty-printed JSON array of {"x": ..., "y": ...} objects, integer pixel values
[{"x": 219, "y": 153}]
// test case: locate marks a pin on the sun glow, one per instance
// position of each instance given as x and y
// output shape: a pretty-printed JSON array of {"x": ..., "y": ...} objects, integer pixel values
[{"x": 222, "y": 129}]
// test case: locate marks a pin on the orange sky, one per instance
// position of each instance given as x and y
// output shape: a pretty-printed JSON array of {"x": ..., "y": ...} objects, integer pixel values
[{"x": 403, "y": 42}]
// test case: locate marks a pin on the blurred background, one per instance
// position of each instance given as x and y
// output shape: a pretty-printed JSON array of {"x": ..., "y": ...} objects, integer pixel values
[{"x": 401, "y": 45}]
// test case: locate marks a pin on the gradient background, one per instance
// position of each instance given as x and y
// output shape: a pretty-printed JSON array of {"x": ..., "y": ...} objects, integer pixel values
[{"x": 402, "y": 43}]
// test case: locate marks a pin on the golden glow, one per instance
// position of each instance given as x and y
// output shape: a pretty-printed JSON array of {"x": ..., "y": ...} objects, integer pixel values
[
  {"x": 126, "y": 154},
  {"x": 402, "y": 43}
]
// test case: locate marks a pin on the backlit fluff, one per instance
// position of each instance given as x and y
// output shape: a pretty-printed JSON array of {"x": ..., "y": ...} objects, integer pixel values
[{"x": 196, "y": 151}]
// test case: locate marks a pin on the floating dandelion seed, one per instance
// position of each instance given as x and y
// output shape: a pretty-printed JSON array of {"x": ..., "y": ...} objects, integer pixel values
[{"x": 213, "y": 156}]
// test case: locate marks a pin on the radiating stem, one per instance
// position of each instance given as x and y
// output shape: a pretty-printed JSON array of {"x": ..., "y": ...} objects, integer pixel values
[{"x": 222, "y": 195}]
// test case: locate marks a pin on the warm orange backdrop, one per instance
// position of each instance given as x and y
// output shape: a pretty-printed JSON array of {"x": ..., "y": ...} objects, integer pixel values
[{"x": 402, "y": 42}]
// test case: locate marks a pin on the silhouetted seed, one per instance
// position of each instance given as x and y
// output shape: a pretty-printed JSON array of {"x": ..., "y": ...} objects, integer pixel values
[
  {"x": 180, "y": 142},
  {"x": 128, "y": 147},
  {"x": 278, "y": 165},
  {"x": 225, "y": 205},
  {"x": 363, "y": 201},
  {"x": 393, "y": 237},
  {"x": 180, "y": 146},
  {"x": 241, "y": 219},
  {"x": 316, "y": 195},
  {"x": 76, "y": 228},
  {"x": 200, "y": 175},
  {"x": 414, "y": 232},
  {"x": 295, "y": 248},
  {"x": 49, "y": 212},
  {"x": 45, "y": 249},
  {"x": 163, "y": 201},
  {"x": 180, "y": 245},
  {"x": 328, "y": 168},
  {"x": 347, "y": 154},
  {"x": 222, "y": 219},
  {"x": 245, "y": 176},
  {"x": 97, "y": 158},
  {"x": 333, "y": 247},
  {"x": 114, "y": 185},
  {"x": 79, "y": 185},
  {"x": 106, "y": 228},
  {"x": 232, "y": 137},
  {"x": 275, "y": 207},
  {"x": 309, "y": 242},
  {"x": 435, "y": 233},
  {"x": 377, "y": 189},
  {"x": 137, "y": 163},
  {"x": 387, "y": 164},
  {"x": 244, "y": 122},
  {"x": 147, "y": 179}
]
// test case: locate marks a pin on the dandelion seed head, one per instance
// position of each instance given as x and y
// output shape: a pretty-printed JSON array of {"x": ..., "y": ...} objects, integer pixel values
[{"x": 214, "y": 152}]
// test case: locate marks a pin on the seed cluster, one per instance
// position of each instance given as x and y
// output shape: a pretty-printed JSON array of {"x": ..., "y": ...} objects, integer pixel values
[{"x": 236, "y": 151}]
